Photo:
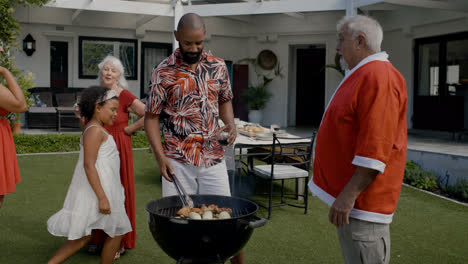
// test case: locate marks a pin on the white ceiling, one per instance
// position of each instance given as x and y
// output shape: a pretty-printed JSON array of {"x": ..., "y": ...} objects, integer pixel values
[
  {"x": 251, "y": 7},
  {"x": 244, "y": 10}
]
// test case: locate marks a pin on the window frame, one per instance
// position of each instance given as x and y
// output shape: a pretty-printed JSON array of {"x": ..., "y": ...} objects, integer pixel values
[{"x": 134, "y": 43}]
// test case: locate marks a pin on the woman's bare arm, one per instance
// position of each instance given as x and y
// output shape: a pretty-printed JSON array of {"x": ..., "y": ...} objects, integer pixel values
[{"x": 11, "y": 98}]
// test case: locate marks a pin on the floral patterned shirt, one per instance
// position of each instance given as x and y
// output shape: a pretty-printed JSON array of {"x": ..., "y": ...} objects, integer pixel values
[{"x": 187, "y": 103}]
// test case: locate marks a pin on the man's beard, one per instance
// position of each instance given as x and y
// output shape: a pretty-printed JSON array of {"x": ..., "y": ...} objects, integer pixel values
[
  {"x": 343, "y": 64},
  {"x": 190, "y": 59}
]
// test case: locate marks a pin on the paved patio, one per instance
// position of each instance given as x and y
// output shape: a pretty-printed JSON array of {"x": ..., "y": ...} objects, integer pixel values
[{"x": 421, "y": 140}]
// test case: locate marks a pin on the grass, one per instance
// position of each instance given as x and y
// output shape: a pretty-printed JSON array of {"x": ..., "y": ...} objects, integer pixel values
[{"x": 426, "y": 229}]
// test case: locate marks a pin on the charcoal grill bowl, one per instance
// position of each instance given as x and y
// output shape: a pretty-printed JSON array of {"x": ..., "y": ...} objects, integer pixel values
[{"x": 202, "y": 241}]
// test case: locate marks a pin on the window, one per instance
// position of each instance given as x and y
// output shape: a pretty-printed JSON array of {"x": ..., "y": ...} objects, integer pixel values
[
  {"x": 441, "y": 82},
  {"x": 93, "y": 50}
]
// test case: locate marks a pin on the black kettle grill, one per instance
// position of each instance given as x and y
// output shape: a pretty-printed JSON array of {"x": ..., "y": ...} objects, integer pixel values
[{"x": 202, "y": 241}]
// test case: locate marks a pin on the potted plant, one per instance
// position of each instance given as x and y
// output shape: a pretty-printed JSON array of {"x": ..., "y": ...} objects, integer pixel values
[
  {"x": 267, "y": 68},
  {"x": 15, "y": 124},
  {"x": 25, "y": 81},
  {"x": 337, "y": 65},
  {"x": 257, "y": 97}
]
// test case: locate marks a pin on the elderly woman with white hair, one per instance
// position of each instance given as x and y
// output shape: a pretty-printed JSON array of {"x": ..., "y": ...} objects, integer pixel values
[{"x": 111, "y": 75}]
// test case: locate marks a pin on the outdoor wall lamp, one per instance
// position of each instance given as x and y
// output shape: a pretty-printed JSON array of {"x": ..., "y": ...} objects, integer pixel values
[{"x": 29, "y": 45}]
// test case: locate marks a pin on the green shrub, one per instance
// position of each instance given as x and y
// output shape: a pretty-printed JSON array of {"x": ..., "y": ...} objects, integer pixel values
[
  {"x": 46, "y": 143},
  {"x": 412, "y": 172},
  {"x": 427, "y": 181},
  {"x": 419, "y": 178},
  {"x": 459, "y": 190},
  {"x": 61, "y": 142},
  {"x": 140, "y": 140}
]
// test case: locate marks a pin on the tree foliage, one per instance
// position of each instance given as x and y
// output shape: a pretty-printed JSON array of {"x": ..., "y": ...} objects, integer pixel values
[{"x": 9, "y": 32}]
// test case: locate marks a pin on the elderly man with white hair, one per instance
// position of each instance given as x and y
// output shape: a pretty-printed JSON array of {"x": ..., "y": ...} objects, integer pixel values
[{"x": 360, "y": 152}]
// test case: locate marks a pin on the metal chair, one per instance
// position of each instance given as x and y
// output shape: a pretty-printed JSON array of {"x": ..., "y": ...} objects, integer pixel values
[{"x": 291, "y": 161}]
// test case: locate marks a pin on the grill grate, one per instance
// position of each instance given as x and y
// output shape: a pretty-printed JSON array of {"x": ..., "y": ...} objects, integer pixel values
[{"x": 172, "y": 212}]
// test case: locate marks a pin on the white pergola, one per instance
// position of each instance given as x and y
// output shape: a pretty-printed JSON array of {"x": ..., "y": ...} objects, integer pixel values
[{"x": 241, "y": 9}]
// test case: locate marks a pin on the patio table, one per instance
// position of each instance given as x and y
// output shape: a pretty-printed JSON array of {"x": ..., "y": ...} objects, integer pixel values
[{"x": 248, "y": 147}]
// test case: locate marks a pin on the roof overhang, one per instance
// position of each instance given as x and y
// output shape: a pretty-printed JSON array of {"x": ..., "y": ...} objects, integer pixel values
[
  {"x": 208, "y": 9},
  {"x": 247, "y": 7},
  {"x": 118, "y": 6}
]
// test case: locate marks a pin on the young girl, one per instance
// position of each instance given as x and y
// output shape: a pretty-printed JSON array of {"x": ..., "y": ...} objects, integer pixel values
[{"x": 95, "y": 198}]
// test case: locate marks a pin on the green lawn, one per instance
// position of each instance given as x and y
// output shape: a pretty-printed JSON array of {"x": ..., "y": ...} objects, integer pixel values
[{"x": 426, "y": 229}]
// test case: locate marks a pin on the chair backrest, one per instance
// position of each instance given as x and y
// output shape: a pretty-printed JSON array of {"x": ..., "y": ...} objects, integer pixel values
[
  {"x": 295, "y": 154},
  {"x": 45, "y": 97},
  {"x": 65, "y": 99}
]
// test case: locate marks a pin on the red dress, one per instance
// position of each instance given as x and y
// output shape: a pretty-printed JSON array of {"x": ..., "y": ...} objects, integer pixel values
[
  {"x": 9, "y": 172},
  {"x": 124, "y": 146}
]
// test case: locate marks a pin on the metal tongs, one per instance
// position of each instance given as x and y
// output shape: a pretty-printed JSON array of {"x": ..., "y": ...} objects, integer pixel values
[{"x": 184, "y": 197}]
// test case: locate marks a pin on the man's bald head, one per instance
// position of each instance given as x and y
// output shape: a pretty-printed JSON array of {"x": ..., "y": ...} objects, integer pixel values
[
  {"x": 190, "y": 21},
  {"x": 190, "y": 34}
]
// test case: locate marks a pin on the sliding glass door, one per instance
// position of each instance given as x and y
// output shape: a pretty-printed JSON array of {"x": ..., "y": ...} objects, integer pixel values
[{"x": 441, "y": 82}]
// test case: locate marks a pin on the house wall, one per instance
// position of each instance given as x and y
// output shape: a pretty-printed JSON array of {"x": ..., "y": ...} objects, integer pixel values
[
  {"x": 289, "y": 33},
  {"x": 97, "y": 24},
  {"x": 234, "y": 39},
  {"x": 39, "y": 62},
  {"x": 401, "y": 28}
]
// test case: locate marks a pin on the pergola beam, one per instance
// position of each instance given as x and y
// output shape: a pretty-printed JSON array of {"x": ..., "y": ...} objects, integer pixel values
[
  {"x": 118, "y": 6},
  {"x": 273, "y": 7},
  {"x": 351, "y": 10},
  {"x": 296, "y": 15},
  {"x": 244, "y": 8},
  {"x": 76, "y": 14},
  {"x": 379, "y": 7},
  {"x": 453, "y": 6},
  {"x": 144, "y": 20},
  {"x": 361, "y": 3},
  {"x": 243, "y": 19}
]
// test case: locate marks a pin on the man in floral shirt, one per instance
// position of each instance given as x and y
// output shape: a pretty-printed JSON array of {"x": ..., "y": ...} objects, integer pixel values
[{"x": 190, "y": 91}]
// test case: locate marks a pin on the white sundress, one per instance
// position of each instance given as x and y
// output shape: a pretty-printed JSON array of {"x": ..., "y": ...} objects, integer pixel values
[{"x": 80, "y": 213}]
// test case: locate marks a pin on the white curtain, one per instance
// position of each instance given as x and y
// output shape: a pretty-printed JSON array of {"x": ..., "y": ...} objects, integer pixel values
[
  {"x": 428, "y": 69},
  {"x": 153, "y": 56}
]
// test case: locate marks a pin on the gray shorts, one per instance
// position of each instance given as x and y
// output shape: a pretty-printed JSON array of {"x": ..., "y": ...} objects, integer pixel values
[{"x": 365, "y": 242}]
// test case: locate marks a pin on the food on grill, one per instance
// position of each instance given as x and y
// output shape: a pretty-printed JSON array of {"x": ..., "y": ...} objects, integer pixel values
[
  {"x": 196, "y": 210},
  {"x": 224, "y": 215},
  {"x": 208, "y": 215},
  {"x": 208, "y": 212},
  {"x": 193, "y": 215},
  {"x": 184, "y": 211}
]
